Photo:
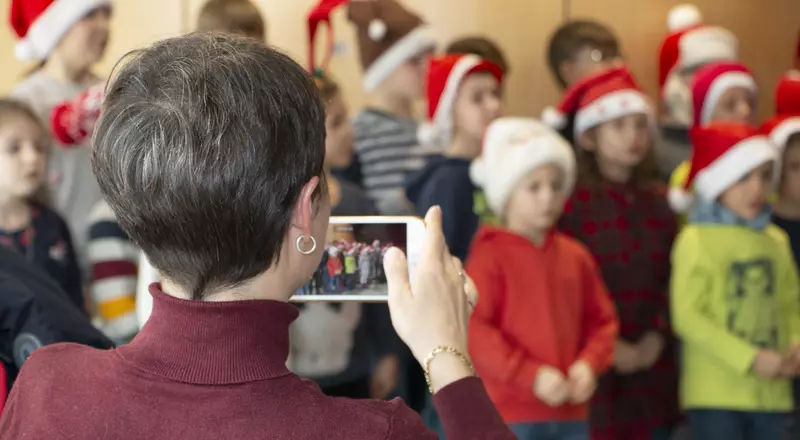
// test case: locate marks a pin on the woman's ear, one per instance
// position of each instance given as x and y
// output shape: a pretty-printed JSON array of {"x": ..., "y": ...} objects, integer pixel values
[{"x": 305, "y": 209}]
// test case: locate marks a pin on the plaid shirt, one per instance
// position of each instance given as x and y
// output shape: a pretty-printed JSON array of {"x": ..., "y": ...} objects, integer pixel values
[{"x": 630, "y": 232}]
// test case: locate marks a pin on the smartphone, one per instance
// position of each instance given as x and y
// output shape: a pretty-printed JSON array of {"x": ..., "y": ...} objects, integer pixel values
[{"x": 351, "y": 268}]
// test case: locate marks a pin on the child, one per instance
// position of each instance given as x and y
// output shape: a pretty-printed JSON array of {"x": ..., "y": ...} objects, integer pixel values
[
  {"x": 67, "y": 39},
  {"x": 580, "y": 48},
  {"x": 238, "y": 17},
  {"x": 720, "y": 92},
  {"x": 620, "y": 212},
  {"x": 393, "y": 44},
  {"x": 27, "y": 226},
  {"x": 545, "y": 326},
  {"x": 784, "y": 131},
  {"x": 463, "y": 99},
  {"x": 734, "y": 292}
]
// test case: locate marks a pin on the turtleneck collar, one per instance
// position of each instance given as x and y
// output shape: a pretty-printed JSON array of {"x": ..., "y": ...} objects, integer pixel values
[
  {"x": 212, "y": 343},
  {"x": 715, "y": 213}
]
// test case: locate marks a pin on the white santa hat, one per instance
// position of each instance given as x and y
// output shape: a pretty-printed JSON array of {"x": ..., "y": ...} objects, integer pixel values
[
  {"x": 707, "y": 44},
  {"x": 40, "y": 24},
  {"x": 512, "y": 147},
  {"x": 606, "y": 96},
  {"x": 444, "y": 77},
  {"x": 722, "y": 154}
]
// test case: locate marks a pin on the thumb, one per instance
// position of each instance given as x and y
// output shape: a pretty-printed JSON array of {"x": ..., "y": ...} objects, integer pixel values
[{"x": 395, "y": 266}]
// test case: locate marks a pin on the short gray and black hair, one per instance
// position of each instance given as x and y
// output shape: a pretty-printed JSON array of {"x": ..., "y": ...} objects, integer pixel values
[{"x": 204, "y": 145}]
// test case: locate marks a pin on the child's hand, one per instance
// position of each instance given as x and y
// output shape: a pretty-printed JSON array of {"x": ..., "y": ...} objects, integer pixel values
[
  {"x": 649, "y": 348},
  {"x": 791, "y": 367},
  {"x": 626, "y": 358},
  {"x": 769, "y": 364},
  {"x": 550, "y": 386},
  {"x": 582, "y": 381}
]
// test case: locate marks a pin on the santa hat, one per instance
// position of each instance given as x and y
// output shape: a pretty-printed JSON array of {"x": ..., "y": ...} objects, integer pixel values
[
  {"x": 512, "y": 147},
  {"x": 681, "y": 19},
  {"x": 388, "y": 35},
  {"x": 606, "y": 96},
  {"x": 445, "y": 74},
  {"x": 40, "y": 24},
  {"x": 706, "y": 44},
  {"x": 712, "y": 81},
  {"x": 786, "y": 121},
  {"x": 722, "y": 154},
  {"x": 319, "y": 14}
]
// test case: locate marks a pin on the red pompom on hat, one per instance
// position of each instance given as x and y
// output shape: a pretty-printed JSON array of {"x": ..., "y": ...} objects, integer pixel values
[
  {"x": 722, "y": 154},
  {"x": 712, "y": 81},
  {"x": 786, "y": 121},
  {"x": 40, "y": 24},
  {"x": 445, "y": 74},
  {"x": 321, "y": 14},
  {"x": 681, "y": 19},
  {"x": 603, "y": 97}
]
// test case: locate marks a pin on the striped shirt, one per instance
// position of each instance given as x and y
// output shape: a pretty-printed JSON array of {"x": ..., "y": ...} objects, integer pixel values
[
  {"x": 114, "y": 262},
  {"x": 388, "y": 151}
]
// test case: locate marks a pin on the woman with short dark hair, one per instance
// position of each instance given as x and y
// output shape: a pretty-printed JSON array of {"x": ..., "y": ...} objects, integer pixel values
[{"x": 210, "y": 152}]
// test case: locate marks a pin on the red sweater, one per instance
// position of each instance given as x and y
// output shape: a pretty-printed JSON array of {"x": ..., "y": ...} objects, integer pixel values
[
  {"x": 214, "y": 370},
  {"x": 538, "y": 306}
]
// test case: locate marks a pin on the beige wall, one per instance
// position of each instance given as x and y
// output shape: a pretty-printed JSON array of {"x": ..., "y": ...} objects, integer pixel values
[{"x": 767, "y": 29}]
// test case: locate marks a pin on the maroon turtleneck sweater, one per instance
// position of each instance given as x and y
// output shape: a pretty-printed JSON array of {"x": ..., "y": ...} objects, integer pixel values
[{"x": 214, "y": 370}]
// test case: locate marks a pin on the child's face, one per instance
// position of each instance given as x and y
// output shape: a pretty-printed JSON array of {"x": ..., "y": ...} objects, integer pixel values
[
  {"x": 735, "y": 105},
  {"x": 478, "y": 104},
  {"x": 790, "y": 180},
  {"x": 407, "y": 80},
  {"x": 22, "y": 157},
  {"x": 537, "y": 201},
  {"x": 622, "y": 142},
  {"x": 85, "y": 42},
  {"x": 339, "y": 137},
  {"x": 746, "y": 198}
]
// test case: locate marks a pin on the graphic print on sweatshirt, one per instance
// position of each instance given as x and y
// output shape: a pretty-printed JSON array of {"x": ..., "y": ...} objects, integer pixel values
[
  {"x": 322, "y": 338},
  {"x": 753, "y": 312}
]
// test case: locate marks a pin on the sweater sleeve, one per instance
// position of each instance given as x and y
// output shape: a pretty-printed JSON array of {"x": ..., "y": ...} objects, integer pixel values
[
  {"x": 600, "y": 322},
  {"x": 494, "y": 356},
  {"x": 114, "y": 264},
  {"x": 691, "y": 282}
]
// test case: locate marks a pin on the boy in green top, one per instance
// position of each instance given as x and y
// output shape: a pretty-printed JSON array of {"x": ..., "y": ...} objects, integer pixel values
[{"x": 734, "y": 292}]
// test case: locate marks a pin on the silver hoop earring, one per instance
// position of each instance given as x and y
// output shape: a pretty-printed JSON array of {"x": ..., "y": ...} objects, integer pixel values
[{"x": 299, "y": 243}]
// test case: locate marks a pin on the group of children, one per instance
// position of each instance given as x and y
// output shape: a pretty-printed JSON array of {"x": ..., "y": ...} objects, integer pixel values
[
  {"x": 615, "y": 302},
  {"x": 346, "y": 267}
]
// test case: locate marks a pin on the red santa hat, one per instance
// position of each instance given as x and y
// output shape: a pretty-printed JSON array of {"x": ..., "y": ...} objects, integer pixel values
[
  {"x": 786, "y": 121},
  {"x": 712, "y": 81},
  {"x": 722, "y": 153},
  {"x": 319, "y": 14},
  {"x": 445, "y": 74},
  {"x": 681, "y": 19},
  {"x": 707, "y": 44},
  {"x": 388, "y": 35},
  {"x": 40, "y": 24},
  {"x": 512, "y": 147},
  {"x": 606, "y": 96}
]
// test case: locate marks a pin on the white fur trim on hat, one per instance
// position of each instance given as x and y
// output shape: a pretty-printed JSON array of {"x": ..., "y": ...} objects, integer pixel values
[
  {"x": 441, "y": 127},
  {"x": 612, "y": 106},
  {"x": 734, "y": 164},
  {"x": 554, "y": 118},
  {"x": 782, "y": 132},
  {"x": 680, "y": 200},
  {"x": 514, "y": 147},
  {"x": 46, "y": 32},
  {"x": 683, "y": 16},
  {"x": 414, "y": 44},
  {"x": 722, "y": 84},
  {"x": 707, "y": 44}
]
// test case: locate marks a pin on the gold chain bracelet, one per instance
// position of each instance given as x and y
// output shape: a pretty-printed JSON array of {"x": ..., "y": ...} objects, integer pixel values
[{"x": 439, "y": 350}]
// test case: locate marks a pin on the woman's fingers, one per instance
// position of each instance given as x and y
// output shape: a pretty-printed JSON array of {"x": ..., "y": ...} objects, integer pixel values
[
  {"x": 434, "y": 249},
  {"x": 395, "y": 266}
]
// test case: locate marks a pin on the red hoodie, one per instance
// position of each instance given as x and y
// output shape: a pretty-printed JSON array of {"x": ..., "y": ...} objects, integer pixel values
[{"x": 538, "y": 306}]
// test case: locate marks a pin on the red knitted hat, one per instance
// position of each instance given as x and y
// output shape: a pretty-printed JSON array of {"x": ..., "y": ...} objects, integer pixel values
[
  {"x": 40, "y": 24},
  {"x": 712, "y": 81},
  {"x": 319, "y": 14},
  {"x": 681, "y": 19},
  {"x": 603, "y": 97}
]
